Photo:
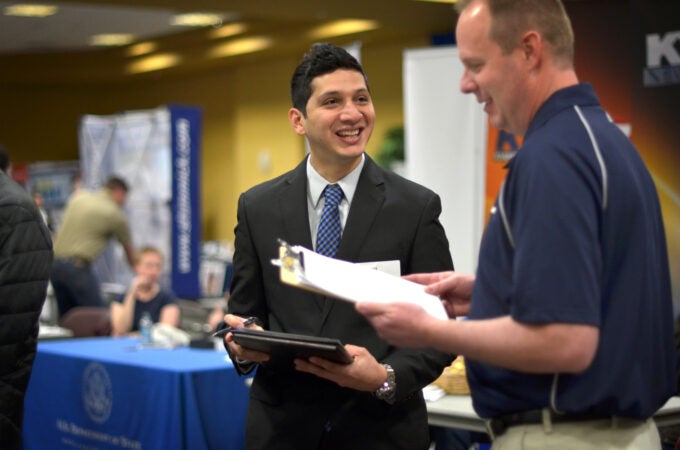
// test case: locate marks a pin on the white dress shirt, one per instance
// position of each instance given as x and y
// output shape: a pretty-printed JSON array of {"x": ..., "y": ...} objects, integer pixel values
[{"x": 315, "y": 200}]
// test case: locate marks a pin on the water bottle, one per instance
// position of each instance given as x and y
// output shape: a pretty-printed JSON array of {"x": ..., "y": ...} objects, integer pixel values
[{"x": 145, "y": 323}]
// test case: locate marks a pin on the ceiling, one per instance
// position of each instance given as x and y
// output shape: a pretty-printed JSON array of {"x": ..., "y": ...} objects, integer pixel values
[
  {"x": 57, "y": 47},
  {"x": 71, "y": 27},
  {"x": 30, "y": 48}
]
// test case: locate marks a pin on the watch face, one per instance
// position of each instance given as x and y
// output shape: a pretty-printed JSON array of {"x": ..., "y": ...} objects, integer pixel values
[{"x": 388, "y": 388}]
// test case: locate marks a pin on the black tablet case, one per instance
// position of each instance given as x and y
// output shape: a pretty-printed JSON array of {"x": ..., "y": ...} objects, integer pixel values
[{"x": 289, "y": 346}]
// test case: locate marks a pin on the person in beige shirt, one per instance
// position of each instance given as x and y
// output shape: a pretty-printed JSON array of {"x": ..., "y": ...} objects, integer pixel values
[{"x": 90, "y": 220}]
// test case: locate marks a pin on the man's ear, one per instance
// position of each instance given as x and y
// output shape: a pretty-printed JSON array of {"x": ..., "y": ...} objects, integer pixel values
[
  {"x": 531, "y": 46},
  {"x": 297, "y": 121}
]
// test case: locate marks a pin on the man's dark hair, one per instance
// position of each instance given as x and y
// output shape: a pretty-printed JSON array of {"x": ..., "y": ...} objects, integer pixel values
[
  {"x": 321, "y": 59},
  {"x": 116, "y": 183},
  {"x": 4, "y": 159}
]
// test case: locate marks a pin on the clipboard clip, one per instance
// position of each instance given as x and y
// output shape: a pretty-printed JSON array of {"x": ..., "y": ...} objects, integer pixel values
[{"x": 290, "y": 259}]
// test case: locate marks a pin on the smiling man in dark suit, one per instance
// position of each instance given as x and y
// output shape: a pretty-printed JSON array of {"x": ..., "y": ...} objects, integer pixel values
[{"x": 376, "y": 401}]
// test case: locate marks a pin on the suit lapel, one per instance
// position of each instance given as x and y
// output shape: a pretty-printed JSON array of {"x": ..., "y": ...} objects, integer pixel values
[
  {"x": 292, "y": 204},
  {"x": 366, "y": 203}
]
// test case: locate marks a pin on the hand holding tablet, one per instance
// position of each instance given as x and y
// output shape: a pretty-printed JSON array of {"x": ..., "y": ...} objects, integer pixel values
[{"x": 290, "y": 346}]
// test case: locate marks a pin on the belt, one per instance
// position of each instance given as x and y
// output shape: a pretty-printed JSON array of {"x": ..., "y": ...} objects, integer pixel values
[
  {"x": 77, "y": 261},
  {"x": 498, "y": 425}
]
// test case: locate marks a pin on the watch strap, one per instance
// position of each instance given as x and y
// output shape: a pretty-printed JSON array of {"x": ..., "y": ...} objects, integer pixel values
[{"x": 388, "y": 390}]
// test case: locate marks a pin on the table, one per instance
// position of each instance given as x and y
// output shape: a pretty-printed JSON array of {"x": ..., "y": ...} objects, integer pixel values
[
  {"x": 111, "y": 393},
  {"x": 53, "y": 332},
  {"x": 455, "y": 411}
]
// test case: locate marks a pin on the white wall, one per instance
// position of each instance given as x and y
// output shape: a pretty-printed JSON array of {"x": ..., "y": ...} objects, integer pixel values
[{"x": 445, "y": 133}]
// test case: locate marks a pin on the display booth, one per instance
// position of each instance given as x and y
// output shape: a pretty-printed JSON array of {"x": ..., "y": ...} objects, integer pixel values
[
  {"x": 157, "y": 153},
  {"x": 445, "y": 141}
]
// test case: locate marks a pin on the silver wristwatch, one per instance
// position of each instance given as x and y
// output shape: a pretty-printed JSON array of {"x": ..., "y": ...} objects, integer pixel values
[{"x": 387, "y": 391}]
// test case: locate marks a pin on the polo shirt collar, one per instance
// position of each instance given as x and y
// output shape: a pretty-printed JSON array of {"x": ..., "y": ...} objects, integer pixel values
[{"x": 581, "y": 94}]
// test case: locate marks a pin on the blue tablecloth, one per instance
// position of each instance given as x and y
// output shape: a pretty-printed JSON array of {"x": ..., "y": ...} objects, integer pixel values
[{"x": 109, "y": 393}]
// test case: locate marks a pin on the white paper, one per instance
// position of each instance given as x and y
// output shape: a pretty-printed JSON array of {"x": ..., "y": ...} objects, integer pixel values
[
  {"x": 393, "y": 267},
  {"x": 355, "y": 283}
]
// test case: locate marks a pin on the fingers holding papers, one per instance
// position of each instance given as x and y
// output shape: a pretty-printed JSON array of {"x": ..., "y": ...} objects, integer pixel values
[
  {"x": 406, "y": 324},
  {"x": 453, "y": 288},
  {"x": 401, "y": 324}
]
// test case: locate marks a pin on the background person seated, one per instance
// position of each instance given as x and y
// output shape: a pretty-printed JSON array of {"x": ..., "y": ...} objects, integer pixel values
[{"x": 144, "y": 295}]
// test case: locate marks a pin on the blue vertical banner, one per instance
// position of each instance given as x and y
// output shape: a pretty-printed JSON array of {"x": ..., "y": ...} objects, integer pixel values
[
  {"x": 157, "y": 152},
  {"x": 186, "y": 200}
]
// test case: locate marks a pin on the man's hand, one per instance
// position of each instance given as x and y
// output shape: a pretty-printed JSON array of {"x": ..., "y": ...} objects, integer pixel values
[
  {"x": 453, "y": 288},
  {"x": 242, "y": 353},
  {"x": 141, "y": 283},
  {"x": 401, "y": 324},
  {"x": 363, "y": 374}
]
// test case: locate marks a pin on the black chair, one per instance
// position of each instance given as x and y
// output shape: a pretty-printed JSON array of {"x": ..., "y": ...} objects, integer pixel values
[{"x": 87, "y": 321}]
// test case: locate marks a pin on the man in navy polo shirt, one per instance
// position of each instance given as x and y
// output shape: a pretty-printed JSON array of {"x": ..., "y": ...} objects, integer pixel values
[{"x": 569, "y": 341}]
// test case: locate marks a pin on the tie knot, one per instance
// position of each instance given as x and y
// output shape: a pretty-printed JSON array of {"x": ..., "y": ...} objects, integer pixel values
[{"x": 333, "y": 194}]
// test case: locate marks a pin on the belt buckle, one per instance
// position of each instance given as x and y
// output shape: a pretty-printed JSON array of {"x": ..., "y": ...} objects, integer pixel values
[{"x": 79, "y": 262}]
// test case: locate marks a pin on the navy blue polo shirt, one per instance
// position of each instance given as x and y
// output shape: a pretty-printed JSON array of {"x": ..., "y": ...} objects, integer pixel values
[{"x": 583, "y": 243}]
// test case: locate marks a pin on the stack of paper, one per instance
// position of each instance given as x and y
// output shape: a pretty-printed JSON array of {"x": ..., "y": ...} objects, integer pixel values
[{"x": 306, "y": 269}]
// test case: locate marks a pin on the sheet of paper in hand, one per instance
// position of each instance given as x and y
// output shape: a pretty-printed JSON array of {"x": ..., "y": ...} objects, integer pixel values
[{"x": 344, "y": 280}]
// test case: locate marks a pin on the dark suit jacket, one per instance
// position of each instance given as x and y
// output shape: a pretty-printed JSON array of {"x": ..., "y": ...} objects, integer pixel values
[{"x": 390, "y": 218}]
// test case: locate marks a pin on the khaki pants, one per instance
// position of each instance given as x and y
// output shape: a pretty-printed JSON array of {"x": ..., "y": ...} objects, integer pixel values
[{"x": 608, "y": 434}]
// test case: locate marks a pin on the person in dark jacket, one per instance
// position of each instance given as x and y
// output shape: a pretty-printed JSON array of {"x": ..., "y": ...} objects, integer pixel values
[
  {"x": 5, "y": 163},
  {"x": 25, "y": 262}
]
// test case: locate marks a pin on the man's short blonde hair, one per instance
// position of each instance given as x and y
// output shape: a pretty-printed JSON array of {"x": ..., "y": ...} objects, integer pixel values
[{"x": 512, "y": 18}]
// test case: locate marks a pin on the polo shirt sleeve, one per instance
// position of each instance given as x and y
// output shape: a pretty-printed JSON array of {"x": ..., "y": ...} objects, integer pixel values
[
  {"x": 121, "y": 229},
  {"x": 554, "y": 213}
]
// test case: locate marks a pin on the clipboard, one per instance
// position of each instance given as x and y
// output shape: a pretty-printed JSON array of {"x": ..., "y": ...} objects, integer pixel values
[
  {"x": 288, "y": 346},
  {"x": 305, "y": 269}
]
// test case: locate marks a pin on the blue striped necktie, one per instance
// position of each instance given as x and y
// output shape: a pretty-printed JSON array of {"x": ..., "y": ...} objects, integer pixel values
[{"x": 330, "y": 229}]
